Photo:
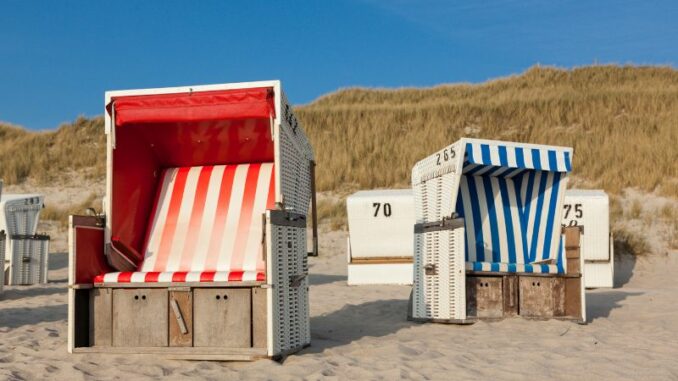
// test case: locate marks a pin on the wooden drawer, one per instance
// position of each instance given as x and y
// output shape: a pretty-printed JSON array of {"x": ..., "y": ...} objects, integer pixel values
[
  {"x": 222, "y": 317},
  {"x": 140, "y": 317},
  {"x": 537, "y": 296},
  {"x": 484, "y": 297}
]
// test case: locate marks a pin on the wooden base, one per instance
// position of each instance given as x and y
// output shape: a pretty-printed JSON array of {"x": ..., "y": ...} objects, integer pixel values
[
  {"x": 184, "y": 353},
  {"x": 493, "y": 296},
  {"x": 225, "y": 323}
]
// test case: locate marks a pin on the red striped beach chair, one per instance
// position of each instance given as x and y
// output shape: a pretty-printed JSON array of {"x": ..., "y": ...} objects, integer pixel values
[{"x": 201, "y": 252}]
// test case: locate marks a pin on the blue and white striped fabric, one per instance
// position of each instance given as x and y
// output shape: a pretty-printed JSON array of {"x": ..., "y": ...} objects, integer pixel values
[
  {"x": 511, "y": 199},
  {"x": 495, "y": 158}
]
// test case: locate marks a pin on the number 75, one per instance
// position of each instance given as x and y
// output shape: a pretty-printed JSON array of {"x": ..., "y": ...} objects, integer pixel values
[{"x": 578, "y": 211}]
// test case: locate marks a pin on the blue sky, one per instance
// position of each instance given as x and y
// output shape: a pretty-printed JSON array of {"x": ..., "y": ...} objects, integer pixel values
[{"x": 58, "y": 57}]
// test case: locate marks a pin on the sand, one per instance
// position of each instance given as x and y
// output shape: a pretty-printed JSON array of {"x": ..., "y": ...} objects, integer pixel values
[{"x": 361, "y": 333}]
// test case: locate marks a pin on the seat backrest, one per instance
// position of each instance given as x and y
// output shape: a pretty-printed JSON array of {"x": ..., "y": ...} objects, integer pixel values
[
  {"x": 511, "y": 220},
  {"x": 209, "y": 218},
  {"x": 510, "y": 195}
]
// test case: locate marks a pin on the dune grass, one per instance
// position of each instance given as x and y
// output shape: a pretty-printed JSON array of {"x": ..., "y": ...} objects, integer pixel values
[
  {"x": 621, "y": 121},
  {"x": 45, "y": 156}
]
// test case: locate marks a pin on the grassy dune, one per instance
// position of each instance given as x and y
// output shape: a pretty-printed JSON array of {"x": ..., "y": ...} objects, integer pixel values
[
  {"x": 621, "y": 121},
  {"x": 45, "y": 156}
]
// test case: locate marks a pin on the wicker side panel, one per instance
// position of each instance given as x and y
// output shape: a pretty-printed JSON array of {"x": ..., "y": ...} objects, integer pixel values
[
  {"x": 295, "y": 154},
  {"x": 439, "y": 276},
  {"x": 295, "y": 173},
  {"x": 435, "y": 181},
  {"x": 291, "y": 120},
  {"x": 29, "y": 260},
  {"x": 291, "y": 323}
]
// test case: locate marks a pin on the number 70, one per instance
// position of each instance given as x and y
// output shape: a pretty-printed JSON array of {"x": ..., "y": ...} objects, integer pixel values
[{"x": 386, "y": 209}]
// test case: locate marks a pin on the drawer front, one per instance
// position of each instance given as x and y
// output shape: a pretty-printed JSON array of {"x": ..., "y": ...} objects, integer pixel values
[
  {"x": 222, "y": 317},
  {"x": 485, "y": 297},
  {"x": 140, "y": 317},
  {"x": 259, "y": 318},
  {"x": 100, "y": 309},
  {"x": 536, "y": 297}
]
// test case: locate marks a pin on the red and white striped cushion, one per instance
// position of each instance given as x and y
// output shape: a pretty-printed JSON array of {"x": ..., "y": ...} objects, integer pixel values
[
  {"x": 180, "y": 276},
  {"x": 207, "y": 220}
]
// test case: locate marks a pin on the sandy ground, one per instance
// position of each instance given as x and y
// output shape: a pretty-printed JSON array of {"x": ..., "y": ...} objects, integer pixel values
[{"x": 361, "y": 333}]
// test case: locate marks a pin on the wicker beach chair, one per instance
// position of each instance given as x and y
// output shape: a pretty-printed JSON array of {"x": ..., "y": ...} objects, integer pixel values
[
  {"x": 201, "y": 252},
  {"x": 488, "y": 239},
  {"x": 26, "y": 251}
]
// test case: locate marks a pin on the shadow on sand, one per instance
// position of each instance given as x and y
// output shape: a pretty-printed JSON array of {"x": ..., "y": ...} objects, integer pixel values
[
  {"x": 352, "y": 322},
  {"x": 599, "y": 304},
  {"x": 623, "y": 268},
  {"x": 57, "y": 261},
  {"x": 18, "y": 292},
  {"x": 17, "y": 317},
  {"x": 318, "y": 279}
]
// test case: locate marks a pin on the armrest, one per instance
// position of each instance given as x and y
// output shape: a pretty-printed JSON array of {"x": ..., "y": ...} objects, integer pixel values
[{"x": 86, "y": 250}]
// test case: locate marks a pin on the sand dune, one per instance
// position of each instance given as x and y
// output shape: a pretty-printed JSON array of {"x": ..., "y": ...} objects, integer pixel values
[{"x": 361, "y": 333}]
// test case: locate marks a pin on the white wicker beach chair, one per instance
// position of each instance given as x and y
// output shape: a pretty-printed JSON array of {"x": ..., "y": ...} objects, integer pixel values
[
  {"x": 26, "y": 252},
  {"x": 488, "y": 235},
  {"x": 202, "y": 250}
]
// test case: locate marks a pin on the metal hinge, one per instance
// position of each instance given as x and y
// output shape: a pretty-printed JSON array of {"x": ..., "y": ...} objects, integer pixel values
[
  {"x": 431, "y": 269},
  {"x": 295, "y": 281}
]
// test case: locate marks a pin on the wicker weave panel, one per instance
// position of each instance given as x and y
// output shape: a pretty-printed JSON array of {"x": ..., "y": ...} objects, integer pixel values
[
  {"x": 29, "y": 260},
  {"x": 435, "y": 181},
  {"x": 291, "y": 323},
  {"x": 439, "y": 293}
]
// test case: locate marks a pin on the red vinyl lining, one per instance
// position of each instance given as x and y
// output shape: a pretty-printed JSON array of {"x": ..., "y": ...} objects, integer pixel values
[
  {"x": 203, "y": 128},
  {"x": 195, "y": 106}
]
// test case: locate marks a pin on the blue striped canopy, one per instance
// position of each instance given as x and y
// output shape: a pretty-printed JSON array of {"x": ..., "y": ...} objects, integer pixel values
[{"x": 511, "y": 195}]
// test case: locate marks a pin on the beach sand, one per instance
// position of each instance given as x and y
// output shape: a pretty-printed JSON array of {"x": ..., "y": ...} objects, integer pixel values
[{"x": 361, "y": 333}]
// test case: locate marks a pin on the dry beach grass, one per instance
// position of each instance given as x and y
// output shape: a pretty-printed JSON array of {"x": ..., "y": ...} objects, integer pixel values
[{"x": 622, "y": 121}]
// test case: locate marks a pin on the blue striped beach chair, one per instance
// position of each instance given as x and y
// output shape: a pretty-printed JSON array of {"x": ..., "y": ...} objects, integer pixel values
[{"x": 507, "y": 200}]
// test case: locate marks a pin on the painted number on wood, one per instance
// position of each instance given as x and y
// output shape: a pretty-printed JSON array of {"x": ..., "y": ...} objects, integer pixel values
[
  {"x": 446, "y": 155},
  {"x": 386, "y": 209},
  {"x": 291, "y": 119},
  {"x": 574, "y": 213}
]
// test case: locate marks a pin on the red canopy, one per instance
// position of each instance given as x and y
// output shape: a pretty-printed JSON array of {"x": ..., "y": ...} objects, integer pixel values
[{"x": 195, "y": 106}]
